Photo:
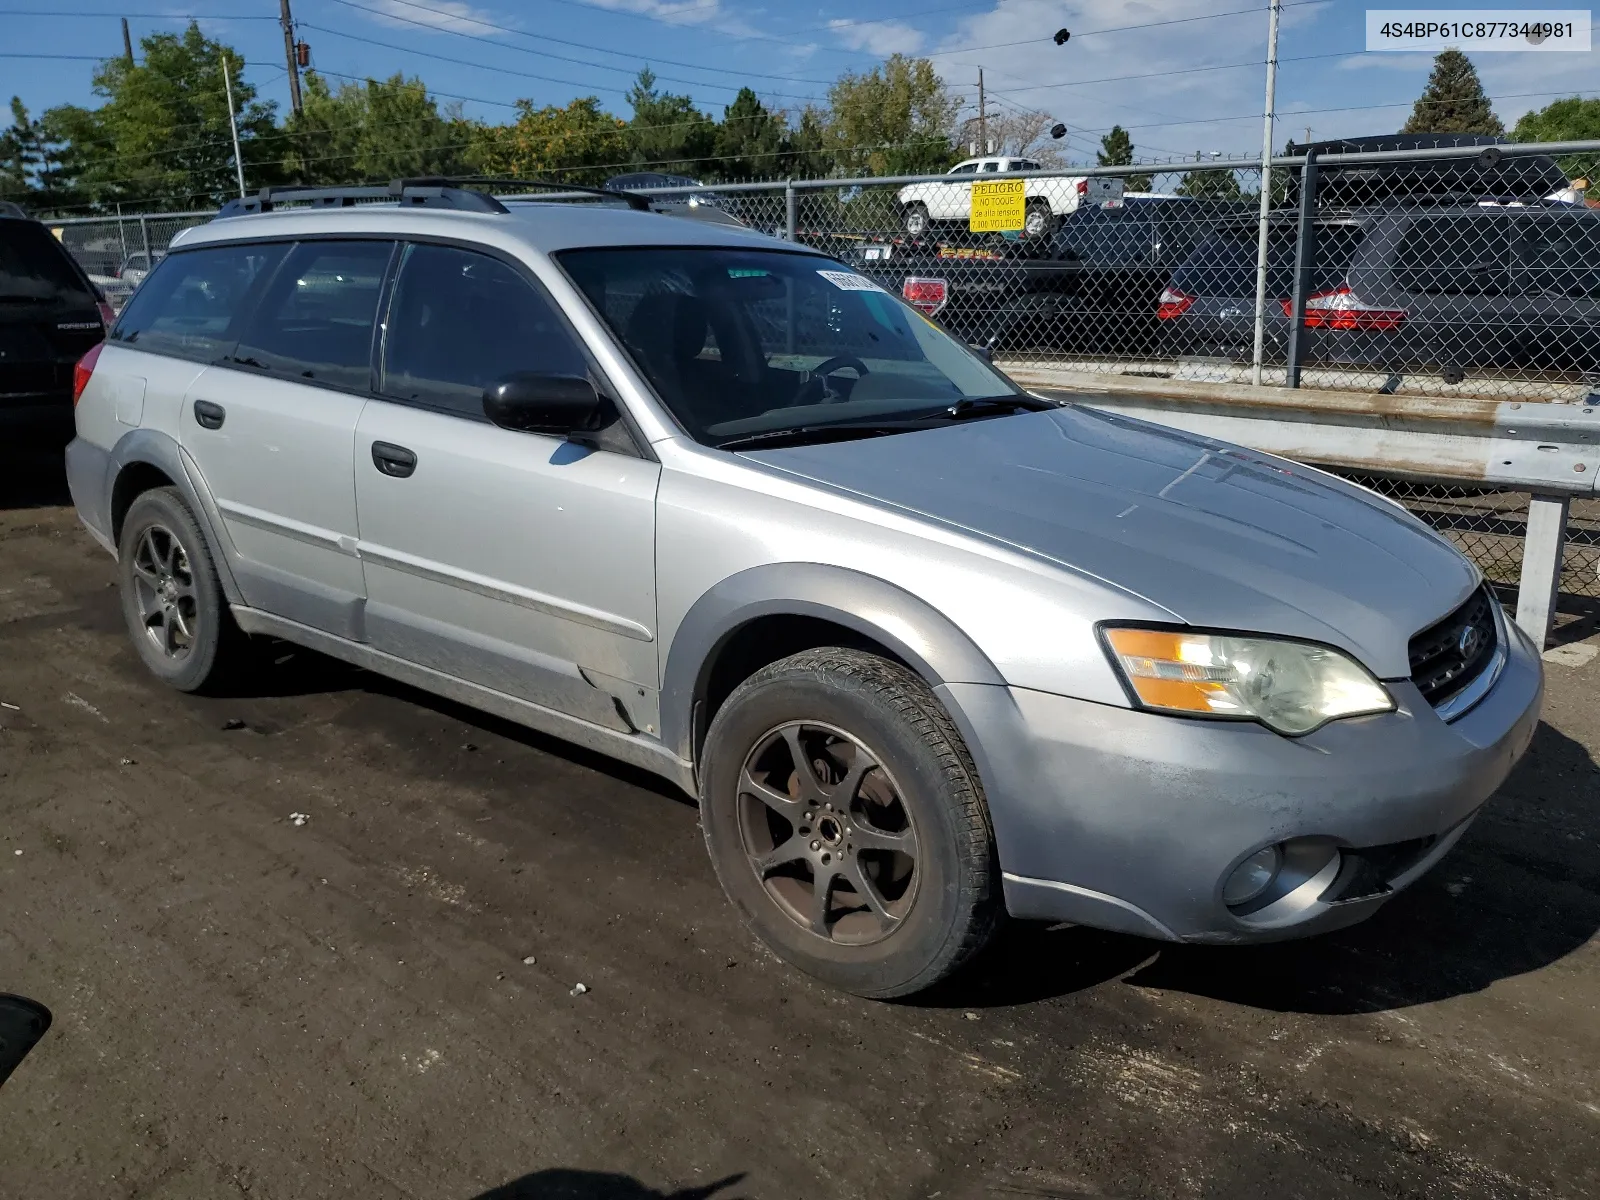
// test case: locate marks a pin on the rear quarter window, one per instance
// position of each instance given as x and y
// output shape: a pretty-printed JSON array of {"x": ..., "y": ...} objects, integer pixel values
[{"x": 189, "y": 306}]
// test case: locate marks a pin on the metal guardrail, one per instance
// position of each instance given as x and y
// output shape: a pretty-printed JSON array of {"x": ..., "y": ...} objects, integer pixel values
[{"x": 1550, "y": 451}]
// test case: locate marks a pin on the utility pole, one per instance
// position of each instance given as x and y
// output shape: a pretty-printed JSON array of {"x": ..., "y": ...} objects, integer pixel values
[
  {"x": 1266, "y": 192},
  {"x": 127, "y": 43},
  {"x": 983, "y": 115},
  {"x": 287, "y": 21},
  {"x": 233, "y": 124}
]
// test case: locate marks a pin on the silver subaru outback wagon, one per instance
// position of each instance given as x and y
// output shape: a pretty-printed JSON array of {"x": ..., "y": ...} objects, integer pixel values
[{"x": 928, "y": 649}]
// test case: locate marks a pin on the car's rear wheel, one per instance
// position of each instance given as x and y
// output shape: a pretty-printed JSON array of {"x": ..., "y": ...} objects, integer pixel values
[
  {"x": 172, "y": 599},
  {"x": 916, "y": 219},
  {"x": 847, "y": 824}
]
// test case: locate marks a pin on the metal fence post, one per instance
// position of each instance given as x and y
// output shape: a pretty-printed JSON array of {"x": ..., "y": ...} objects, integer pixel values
[
  {"x": 144, "y": 236},
  {"x": 1305, "y": 261},
  {"x": 789, "y": 209},
  {"x": 1541, "y": 565}
]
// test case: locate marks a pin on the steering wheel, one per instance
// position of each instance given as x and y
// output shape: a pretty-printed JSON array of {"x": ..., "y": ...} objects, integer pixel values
[{"x": 819, "y": 375}]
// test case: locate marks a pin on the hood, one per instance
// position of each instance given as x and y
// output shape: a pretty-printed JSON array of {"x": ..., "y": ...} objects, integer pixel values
[{"x": 1217, "y": 535}]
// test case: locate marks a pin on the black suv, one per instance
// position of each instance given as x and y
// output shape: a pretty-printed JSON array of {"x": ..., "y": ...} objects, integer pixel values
[
  {"x": 1446, "y": 266},
  {"x": 50, "y": 317},
  {"x": 1450, "y": 289}
]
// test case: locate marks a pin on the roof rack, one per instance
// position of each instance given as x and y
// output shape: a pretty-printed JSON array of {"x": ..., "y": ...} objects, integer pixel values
[
  {"x": 632, "y": 199},
  {"x": 420, "y": 193}
]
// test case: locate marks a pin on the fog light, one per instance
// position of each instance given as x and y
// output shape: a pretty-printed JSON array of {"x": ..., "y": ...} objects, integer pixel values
[{"x": 1252, "y": 877}]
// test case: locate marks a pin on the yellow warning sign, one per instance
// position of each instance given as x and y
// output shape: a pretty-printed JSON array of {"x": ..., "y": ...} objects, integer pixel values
[{"x": 998, "y": 206}]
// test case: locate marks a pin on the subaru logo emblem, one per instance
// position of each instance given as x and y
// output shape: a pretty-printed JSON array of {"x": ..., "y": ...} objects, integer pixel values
[{"x": 1470, "y": 642}]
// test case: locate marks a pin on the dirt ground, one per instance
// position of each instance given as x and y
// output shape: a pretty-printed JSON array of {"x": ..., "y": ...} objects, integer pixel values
[{"x": 379, "y": 1002}]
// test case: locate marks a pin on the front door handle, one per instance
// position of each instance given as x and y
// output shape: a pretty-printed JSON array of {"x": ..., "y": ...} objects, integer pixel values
[
  {"x": 393, "y": 460},
  {"x": 209, "y": 415}
]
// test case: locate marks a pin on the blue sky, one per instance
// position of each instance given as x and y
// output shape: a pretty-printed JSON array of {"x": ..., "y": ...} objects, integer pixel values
[{"x": 1179, "y": 84}]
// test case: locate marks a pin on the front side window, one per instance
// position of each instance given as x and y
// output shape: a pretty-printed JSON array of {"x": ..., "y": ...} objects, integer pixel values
[
  {"x": 460, "y": 321},
  {"x": 964, "y": 169},
  {"x": 190, "y": 304},
  {"x": 737, "y": 342},
  {"x": 315, "y": 320}
]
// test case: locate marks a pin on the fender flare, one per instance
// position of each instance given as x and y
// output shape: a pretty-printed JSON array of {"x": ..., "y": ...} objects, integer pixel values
[
  {"x": 156, "y": 449},
  {"x": 919, "y": 634}
]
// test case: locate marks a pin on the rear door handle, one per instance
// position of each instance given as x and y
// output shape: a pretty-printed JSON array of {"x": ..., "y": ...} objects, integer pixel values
[
  {"x": 209, "y": 415},
  {"x": 393, "y": 460}
]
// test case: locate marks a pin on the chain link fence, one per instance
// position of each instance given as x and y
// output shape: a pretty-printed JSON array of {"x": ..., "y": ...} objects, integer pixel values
[{"x": 1443, "y": 269}]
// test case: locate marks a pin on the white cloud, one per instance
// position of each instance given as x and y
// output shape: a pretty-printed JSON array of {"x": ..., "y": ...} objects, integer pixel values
[
  {"x": 450, "y": 16},
  {"x": 676, "y": 12},
  {"x": 882, "y": 38}
]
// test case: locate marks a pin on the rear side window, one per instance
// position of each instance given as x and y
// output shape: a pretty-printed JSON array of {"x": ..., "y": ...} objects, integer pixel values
[
  {"x": 34, "y": 266},
  {"x": 1225, "y": 264},
  {"x": 190, "y": 304},
  {"x": 1468, "y": 254},
  {"x": 315, "y": 320},
  {"x": 1557, "y": 254},
  {"x": 460, "y": 321}
]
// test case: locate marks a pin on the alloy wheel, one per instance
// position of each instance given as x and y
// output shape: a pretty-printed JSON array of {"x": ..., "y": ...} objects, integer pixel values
[
  {"x": 827, "y": 833},
  {"x": 164, "y": 589}
]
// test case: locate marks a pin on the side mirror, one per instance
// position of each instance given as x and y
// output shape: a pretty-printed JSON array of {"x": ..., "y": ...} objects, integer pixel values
[{"x": 529, "y": 402}]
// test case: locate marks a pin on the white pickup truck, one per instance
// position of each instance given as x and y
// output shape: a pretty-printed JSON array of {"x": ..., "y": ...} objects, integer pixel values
[{"x": 950, "y": 199}]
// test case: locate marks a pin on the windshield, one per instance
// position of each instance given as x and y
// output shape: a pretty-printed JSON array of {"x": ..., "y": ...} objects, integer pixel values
[
  {"x": 35, "y": 267},
  {"x": 738, "y": 342}
]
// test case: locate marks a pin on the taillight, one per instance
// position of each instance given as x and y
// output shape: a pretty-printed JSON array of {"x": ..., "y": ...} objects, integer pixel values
[
  {"x": 84, "y": 369},
  {"x": 1173, "y": 304},
  {"x": 107, "y": 317},
  {"x": 1343, "y": 309},
  {"x": 1083, "y": 187},
  {"x": 927, "y": 296}
]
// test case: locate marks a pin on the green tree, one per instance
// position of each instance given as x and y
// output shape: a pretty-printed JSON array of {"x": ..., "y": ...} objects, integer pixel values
[
  {"x": 581, "y": 142},
  {"x": 1569, "y": 120},
  {"x": 896, "y": 119},
  {"x": 1211, "y": 185},
  {"x": 21, "y": 154},
  {"x": 376, "y": 130},
  {"x": 1453, "y": 101},
  {"x": 1116, "y": 150},
  {"x": 667, "y": 132},
  {"x": 751, "y": 142},
  {"x": 162, "y": 134}
]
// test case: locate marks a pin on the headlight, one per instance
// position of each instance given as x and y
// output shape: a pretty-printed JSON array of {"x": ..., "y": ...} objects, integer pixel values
[{"x": 1292, "y": 687}]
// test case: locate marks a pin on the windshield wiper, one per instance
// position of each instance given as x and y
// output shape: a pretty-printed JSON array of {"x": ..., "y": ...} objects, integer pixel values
[{"x": 801, "y": 435}]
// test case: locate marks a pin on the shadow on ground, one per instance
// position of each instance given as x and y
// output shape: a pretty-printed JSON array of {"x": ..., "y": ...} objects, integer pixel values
[
  {"x": 32, "y": 470},
  {"x": 560, "y": 1184}
]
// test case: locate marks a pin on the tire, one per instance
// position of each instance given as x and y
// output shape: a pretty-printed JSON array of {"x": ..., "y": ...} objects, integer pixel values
[
  {"x": 908, "y": 823},
  {"x": 1038, "y": 221},
  {"x": 915, "y": 219},
  {"x": 172, "y": 599}
]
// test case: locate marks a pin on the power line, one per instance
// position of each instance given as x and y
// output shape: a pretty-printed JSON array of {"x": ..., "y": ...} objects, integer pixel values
[
  {"x": 646, "y": 59},
  {"x": 505, "y": 70}
]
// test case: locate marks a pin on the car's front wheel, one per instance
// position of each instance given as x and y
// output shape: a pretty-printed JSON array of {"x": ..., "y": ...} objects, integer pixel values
[{"x": 847, "y": 824}]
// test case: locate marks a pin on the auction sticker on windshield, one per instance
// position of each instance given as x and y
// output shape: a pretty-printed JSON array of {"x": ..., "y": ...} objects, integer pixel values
[
  {"x": 998, "y": 206},
  {"x": 849, "y": 281}
]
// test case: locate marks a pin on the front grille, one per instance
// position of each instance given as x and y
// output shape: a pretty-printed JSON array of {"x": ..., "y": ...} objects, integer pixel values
[{"x": 1448, "y": 656}]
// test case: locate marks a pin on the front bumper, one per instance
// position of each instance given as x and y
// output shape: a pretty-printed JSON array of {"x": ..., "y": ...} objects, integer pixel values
[{"x": 1132, "y": 821}]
